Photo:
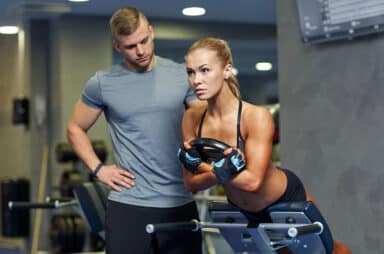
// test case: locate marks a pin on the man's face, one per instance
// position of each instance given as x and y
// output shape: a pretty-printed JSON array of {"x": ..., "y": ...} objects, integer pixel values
[{"x": 137, "y": 48}]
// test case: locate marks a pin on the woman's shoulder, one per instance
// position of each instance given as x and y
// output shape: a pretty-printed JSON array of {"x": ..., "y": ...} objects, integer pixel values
[
  {"x": 256, "y": 119},
  {"x": 255, "y": 112}
]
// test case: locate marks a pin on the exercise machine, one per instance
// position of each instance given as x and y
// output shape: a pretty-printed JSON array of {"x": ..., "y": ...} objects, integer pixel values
[
  {"x": 68, "y": 229},
  {"x": 298, "y": 226},
  {"x": 90, "y": 203},
  {"x": 68, "y": 221}
]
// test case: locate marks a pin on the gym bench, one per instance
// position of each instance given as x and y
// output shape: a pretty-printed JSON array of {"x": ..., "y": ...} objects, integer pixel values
[
  {"x": 296, "y": 225},
  {"x": 90, "y": 203}
]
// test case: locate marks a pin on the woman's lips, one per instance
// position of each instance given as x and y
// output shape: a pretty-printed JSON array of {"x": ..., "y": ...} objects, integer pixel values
[{"x": 199, "y": 91}]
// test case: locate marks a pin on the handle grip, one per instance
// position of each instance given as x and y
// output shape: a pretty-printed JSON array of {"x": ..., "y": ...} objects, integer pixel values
[
  {"x": 316, "y": 227},
  {"x": 12, "y": 205},
  {"x": 192, "y": 225}
]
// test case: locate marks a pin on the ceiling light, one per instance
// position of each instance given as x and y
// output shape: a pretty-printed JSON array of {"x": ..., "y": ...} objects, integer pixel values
[
  {"x": 9, "y": 29},
  {"x": 263, "y": 66},
  {"x": 193, "y": 11},
  {"x": 78, "y": 1}
]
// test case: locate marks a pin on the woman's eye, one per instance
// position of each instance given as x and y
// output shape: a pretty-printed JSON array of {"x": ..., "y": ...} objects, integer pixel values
[
  {"x": 189, "y": 73},
  {"x": 204, "y": 69}
]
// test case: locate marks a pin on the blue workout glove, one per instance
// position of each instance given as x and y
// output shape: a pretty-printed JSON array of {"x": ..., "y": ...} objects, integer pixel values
[
  {"x": 190, "y": 158},
  {"x": 229, "y": 166}
]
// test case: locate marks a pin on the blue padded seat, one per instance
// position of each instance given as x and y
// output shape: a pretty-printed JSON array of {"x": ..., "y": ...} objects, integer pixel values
[{"x": 312, "y": 213}]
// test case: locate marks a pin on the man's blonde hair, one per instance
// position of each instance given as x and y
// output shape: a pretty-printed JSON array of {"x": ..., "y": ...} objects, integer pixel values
[{"x": 126, "y": 20}]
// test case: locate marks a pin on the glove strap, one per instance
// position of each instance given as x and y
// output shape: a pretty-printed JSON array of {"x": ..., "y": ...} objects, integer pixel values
[
  {"x": 229, "y": 166},
  {"x": 191, "y": 163}
]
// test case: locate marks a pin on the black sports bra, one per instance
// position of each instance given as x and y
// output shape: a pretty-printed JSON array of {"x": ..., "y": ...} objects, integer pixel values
[{"x": 213, "y": 155}]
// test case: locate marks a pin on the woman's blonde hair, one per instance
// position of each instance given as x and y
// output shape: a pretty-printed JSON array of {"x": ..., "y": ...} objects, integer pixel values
[{"x": 223, "y": 53}]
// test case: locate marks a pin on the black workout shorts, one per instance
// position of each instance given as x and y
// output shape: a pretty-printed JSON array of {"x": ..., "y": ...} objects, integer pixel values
[
  {"x": 295, "y": 191},
  {"x": 125, "y": 230}
]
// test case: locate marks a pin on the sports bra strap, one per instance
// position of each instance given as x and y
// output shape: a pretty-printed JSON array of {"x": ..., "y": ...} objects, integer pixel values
[
  {"x": 201, "y": 124},
  {"x": 238, "y": 124}
]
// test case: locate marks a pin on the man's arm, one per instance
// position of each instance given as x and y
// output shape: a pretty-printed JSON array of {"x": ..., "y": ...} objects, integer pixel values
[{"x": 82, "y": 119}]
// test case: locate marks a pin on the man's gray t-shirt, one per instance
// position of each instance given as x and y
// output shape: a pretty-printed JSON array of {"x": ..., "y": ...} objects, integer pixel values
[{"x": 144, "y": 113}]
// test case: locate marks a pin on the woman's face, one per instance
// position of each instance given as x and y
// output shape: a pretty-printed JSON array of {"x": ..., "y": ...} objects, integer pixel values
[{"x": 205, "y": 73}]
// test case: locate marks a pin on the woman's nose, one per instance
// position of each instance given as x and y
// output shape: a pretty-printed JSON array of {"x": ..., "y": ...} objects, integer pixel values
[{"x": 196, "y": 78}]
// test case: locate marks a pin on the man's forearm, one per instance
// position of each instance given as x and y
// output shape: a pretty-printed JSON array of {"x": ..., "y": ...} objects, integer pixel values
[{"x": 82, "y": 146}]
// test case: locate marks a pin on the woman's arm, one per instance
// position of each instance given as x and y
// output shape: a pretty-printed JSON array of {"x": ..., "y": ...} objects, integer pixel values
[
  {"x": 203, "y": 178},
  {"x": 259, "y": 126}
]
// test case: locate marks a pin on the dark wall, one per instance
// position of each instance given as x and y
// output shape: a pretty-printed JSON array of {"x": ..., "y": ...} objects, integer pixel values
[{"x": 331, "y": 106}]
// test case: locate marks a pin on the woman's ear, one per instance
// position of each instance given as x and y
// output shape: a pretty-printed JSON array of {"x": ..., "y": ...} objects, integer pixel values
[{"x": 228, "y": 71}]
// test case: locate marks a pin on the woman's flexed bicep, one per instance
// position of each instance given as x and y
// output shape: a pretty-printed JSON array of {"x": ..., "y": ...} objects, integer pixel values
[{"x": 259, "y": 132}]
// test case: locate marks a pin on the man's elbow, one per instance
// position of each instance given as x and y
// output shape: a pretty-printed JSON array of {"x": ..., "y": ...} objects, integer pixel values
[{"x": 72, "y": 130}]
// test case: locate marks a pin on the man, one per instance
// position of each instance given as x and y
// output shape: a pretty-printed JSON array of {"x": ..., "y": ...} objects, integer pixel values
[{"x": 142, "y": 99}]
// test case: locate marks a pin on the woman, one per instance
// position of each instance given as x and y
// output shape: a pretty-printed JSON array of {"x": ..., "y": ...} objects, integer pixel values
[{"x": 252, "y": 186}]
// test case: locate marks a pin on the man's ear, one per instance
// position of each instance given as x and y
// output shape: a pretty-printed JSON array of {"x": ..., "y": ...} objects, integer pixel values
[
  {"x": 116, "y": 45},
  {"x": 152, "y": 33}
]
